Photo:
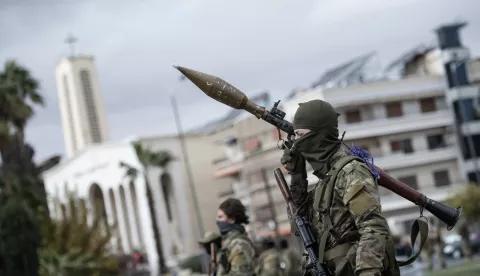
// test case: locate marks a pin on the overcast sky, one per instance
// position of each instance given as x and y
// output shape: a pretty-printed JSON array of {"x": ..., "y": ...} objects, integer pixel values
[{"x": 269, "y": 44}]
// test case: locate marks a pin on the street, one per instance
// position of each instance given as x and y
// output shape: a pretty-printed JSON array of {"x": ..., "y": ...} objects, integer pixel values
[{"x": 418, "y": 267}]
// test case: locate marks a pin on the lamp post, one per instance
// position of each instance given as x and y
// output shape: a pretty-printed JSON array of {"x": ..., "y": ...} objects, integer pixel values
[{"x": 188, "y": 168}]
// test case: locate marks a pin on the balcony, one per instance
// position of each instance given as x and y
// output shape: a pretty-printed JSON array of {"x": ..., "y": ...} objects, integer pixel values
[
  {"x": 385, "y": 90},
  {"x": 388, "y": 126},
  {"x": 394, "y": 202},
  {"x": 418, "y": 158}
]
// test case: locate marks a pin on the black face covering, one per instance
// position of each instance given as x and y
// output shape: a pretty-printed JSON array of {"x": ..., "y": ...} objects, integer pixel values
[
  {"x": 317, "y": 146},
  {"x": 224, "y": 227}
]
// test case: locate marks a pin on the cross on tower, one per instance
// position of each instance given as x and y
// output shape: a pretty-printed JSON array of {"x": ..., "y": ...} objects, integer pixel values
[{"x": 71, "y": 41}]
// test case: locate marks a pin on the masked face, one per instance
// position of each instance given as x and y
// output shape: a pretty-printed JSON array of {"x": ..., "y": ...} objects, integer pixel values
[
  {"x": 316, "y": 134},
  {"x": 224, "y": 223},
  {"x": 224, "y": 227},
  {"x": 317, "y": 147}
]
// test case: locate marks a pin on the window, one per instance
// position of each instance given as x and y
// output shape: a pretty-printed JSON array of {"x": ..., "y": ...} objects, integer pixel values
[
  {"x": 69, "y": 113},
  {"x": 441, "y": 178},
  {"x": 472, "y": 177},
  {"x": 467, "y": 153},
  {"x": 410, "y": 181},
  {"x": 353, "y": 116},
  {"x": 436, "y": 141},
  {"x": 91, "y": 106},
  {"x": 395, "y": 146},
  {"x": 466, "y": 110},
  {"x": 404, "y": 146},
  {"x": 394, "y": 109},
  {"x": 428, "y": 105}
]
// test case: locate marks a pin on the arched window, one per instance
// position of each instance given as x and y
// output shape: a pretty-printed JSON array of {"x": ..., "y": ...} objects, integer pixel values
[{"x": 97, "y": 202}]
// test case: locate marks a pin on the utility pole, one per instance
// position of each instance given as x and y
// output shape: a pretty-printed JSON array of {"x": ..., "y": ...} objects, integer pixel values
[
  {"x": 245, "y": 178},
  {"x": 463, "y": 115},
  {"x": 271, "y": 205},
  {"x": 188, "y": 169}
]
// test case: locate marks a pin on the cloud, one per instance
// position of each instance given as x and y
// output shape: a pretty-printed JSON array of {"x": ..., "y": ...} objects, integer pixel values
[{"x": 271, "y": 44}]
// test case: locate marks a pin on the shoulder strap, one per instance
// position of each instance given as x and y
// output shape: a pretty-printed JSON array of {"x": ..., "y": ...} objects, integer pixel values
[
  {"x": 342, "y": 162},
  {"x": 328, "y": 226},
  {"x": 419, "y": 226}
]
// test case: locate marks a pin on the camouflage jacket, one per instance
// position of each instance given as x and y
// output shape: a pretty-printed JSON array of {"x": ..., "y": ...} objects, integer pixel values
[
  {"x": 237, "y": 255},
  {"x": 275, "y": 262},
  {"x": 355, "y": 213}
]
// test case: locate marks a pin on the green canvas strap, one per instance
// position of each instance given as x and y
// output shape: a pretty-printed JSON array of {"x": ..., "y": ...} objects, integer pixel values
[
  {"x": 329, "y": 191},
  {"x": 419, "y": 226}
]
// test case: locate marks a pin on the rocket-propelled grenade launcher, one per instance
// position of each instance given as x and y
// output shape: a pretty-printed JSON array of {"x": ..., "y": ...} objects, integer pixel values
[{"x": 226, "y": 93}]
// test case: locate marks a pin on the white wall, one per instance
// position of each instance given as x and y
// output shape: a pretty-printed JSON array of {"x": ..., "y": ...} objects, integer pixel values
[{"x": 100, "y": 164}]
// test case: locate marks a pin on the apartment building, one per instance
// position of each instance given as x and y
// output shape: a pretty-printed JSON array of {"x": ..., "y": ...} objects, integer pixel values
[
  {"x": 403, "y": 117},
  {"x": 412, "y": 124}
]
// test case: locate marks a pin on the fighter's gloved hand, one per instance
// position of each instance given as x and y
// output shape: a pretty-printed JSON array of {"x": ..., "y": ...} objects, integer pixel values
[{"x": 293, "y": 161}]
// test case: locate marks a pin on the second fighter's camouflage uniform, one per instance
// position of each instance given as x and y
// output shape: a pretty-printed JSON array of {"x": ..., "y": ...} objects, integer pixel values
[{"x": 237, "y": 255}]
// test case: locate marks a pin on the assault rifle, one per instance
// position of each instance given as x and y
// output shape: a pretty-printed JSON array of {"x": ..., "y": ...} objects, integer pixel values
[{"x": 303, "y": 227}]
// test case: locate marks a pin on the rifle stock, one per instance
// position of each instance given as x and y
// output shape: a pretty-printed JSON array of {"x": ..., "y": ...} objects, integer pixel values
[
  {"x": 303, "y": 228},
  {"x": 213, "y": 259}
]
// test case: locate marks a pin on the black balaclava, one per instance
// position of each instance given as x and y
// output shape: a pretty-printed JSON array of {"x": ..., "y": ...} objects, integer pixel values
[
  {"x": 225, "y": 227},
  {"x": 317, "y": 146}
]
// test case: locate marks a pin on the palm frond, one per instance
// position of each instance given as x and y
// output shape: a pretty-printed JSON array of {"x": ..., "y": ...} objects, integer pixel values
[{"x": 77, "y": 248}]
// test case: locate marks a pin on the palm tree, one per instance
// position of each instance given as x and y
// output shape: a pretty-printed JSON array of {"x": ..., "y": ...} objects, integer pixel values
[
  {"x": 22, "y": 188},
  {"x": 150, "y": 159},
  {"x": 18, "y": 94},
  {"x": 469, "y": 198},
  {"x": 72, "y": 246}
]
